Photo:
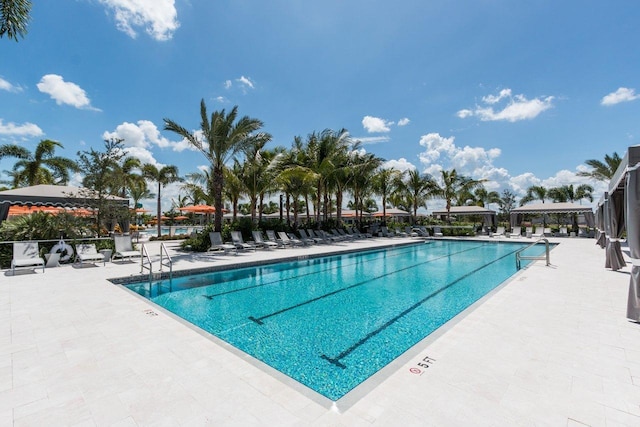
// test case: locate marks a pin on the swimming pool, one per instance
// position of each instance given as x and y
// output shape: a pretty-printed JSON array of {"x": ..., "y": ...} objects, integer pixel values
[{"x": 332, "y": 322}]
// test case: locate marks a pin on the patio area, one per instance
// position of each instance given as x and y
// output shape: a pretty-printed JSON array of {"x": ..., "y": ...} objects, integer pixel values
[{"x": 550, "y": 347}]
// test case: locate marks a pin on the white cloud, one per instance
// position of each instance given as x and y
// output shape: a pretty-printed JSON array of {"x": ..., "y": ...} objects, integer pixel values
[
  {"x": 436, "y": 145},
  {"x": 623, "y": 94},
  {"x": 140, "y": 137},
  {"x": 492, "y": 99},
  {"x": 64, "y": 92},
  {"x": 221, "y": 99},
  {"x": 376, "y": 124},
  {"x": 228, "y": 84},
  {"x": 404, "y": 121},
  {"x": 401, "y": 164},
  {"x": 518, "y": 107},
  {"x": 24, "y": 130},
  {"x": 372, "y": 139},
  {"x": 158, "y": 17},
  {"x": 245, "y": 82},
  {"x": 5, "y": 85}
]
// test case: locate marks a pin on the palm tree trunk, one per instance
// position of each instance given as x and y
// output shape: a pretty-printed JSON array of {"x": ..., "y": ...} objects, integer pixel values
[{"x": 218, "y": 183}]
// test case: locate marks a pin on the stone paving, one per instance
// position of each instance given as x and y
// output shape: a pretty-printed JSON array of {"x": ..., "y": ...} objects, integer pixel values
[{"x": 551, "y": 347}]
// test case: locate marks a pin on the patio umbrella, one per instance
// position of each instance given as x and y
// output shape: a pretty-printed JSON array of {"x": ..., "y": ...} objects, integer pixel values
[
  {"x": 203, "y": 209},
  {"x": 181, "y": 218}
]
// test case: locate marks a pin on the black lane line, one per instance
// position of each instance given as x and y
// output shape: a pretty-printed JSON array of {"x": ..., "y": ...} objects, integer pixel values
[
  {"x": 259, "y": 320},
  {"x": 212, "y": 296},
  {"x": 345, "y": 353}
]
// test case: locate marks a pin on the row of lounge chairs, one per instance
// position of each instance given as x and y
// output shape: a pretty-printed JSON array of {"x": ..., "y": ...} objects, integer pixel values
[{"x": 26, "y": 255}]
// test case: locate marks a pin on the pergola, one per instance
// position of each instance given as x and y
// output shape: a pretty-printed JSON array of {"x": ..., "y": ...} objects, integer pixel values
[
  {"x": 51, "y": 195},
  {"x": 552, "y": 208},
  {"x": 489, "y": 216}
]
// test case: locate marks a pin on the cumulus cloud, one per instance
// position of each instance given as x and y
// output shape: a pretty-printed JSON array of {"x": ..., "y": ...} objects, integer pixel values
[
  {"x": 376, "y": 124},
  {"x": 400, "y": 164},
  {"x": 623, "y": 94},
  {"x": 517, "y": 107},
  {"x": 24, "y": 130},
  {"x": 140, "y": 137},
  {"x": 64, "y": 92},
  {"x": 7, "y": 86},
  {"x": 243, "y": 83},
  {"x": 221, "y": 99},
  {"x": 159, "y": 18},
  {"x": 404, "y": 121}
]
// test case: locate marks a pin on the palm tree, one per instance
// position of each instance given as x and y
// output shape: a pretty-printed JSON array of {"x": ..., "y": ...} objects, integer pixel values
[
  {"x": 418, "y": 189},
  {"x": 360, "y": 177},
  {"x": 454, "y": 185},
  {"x": 567, "y": 193},
  {"x": 223, "y": 136},
  {"x": 535, "y": 192},
  {"x": 14, "y": 17},
  {"x": 12, "y": 150},
  {"x": 163, "y": 176},
  {"x": 43, "y": 167},
  {"x": 484, "y": 198},
  {"x": 602, "y": 171},
  {"x": 384, "y": 183}
]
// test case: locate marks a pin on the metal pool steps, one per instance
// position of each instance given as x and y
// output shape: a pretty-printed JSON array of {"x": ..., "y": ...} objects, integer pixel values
[{"x": 545, "y": 257}]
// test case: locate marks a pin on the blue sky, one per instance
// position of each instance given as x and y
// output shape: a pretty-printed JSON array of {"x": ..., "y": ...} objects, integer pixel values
[{"x": 520, "y": 93}]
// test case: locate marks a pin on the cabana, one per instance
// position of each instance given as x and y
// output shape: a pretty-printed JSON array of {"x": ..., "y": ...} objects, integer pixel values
[
  {"x": 552, "y": 208},
  {"x": 52, "y": 195},
  {"x": 620, "y": 208},
  {"x": 489, "y": 216}
]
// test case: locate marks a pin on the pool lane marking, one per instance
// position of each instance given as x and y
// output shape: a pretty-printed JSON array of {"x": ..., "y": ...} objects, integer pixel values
[
  {"x": 259, "y": 320},
  {"x": 345, "y": 353},
  {"x": 273, "y": 282}
]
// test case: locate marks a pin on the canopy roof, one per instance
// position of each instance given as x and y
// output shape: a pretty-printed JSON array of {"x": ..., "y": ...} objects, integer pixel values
[
  {"x": 551, "y": 208},
  {"x": 53, "y": 195},
  {"x": 391, "y": 212},
  {"x": 466, "y": 210}
]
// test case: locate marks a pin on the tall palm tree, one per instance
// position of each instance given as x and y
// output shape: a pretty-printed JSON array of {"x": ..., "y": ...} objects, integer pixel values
[
  {"x": 163, "y": 176},
  {"x": 14, "y": 18},
  {"x": 360, "y": 178},
  {"x": 384, "y": 183},
  {"x": 482, "y": 197},
  {"x": 43, "y": 167},
  {"x": 223, "y": 136},
  {"x": 602, "y": 171},
  {"x": 453, "y": 185},
  {"x": 418, "y": 188},
  {"x": 535, "y": 192}
]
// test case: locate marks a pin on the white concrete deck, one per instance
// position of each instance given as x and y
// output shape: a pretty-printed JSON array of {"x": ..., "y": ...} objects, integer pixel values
[{"x": 550, "y": 348}]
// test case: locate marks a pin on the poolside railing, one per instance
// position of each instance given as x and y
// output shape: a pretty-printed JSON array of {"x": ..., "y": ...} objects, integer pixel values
[{"x": 546, "y": 258}]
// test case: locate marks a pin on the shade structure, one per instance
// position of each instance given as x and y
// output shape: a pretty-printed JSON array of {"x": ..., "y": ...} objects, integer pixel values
[
  {"x": 632, "y": 193},
  {"x": 553, "y": 208},
  {"x": 391, "y": 212},
  {"x": 180, "y": 218},
  {"x": 202, "y": 209},
  {"x": 53, "y": 196},
  {"x": 488, "y": 215}
]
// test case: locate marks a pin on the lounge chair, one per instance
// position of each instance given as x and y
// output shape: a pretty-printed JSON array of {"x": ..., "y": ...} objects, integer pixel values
[
  {"x": 385, "y": 232},
  {"x": 218, "y": 245},
  {"x": 539, "y": 232},
  {"x": 288, "y": 240},
  {"x": 271, "y": 235},
  {"x": 499, "y": 232},
  {"x": 367, "y": 235},
  {"x": 26, "y": 255},
  {"x": 87, "y": 252},
  {"x": 124, "y": 247},
  {"x": 399, "y": 232},
  {"x": 304, "y": 237},
  {"x": 409, "y": 231},
  {"x": 260, "y": 242},
  {"x": 563, "y": 232},
  {"x": 516, "y": 232},
  {"x": 329, "y": 237},
  {"x": 319, "y": 237},
  {"x": 529, "y": 231},
  {"x": 421, "y": 231},
  {"x": 238, "y": 242},
  {"x": 437, "y": 232},
  {"x": 343, "y": 234}
]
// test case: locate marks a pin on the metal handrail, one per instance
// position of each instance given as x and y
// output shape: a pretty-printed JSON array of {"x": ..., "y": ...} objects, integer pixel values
[
  {"x": 144, "y": 255},
  {"x": 168, "y": 262},
  {"x": 520, "y": 257}
]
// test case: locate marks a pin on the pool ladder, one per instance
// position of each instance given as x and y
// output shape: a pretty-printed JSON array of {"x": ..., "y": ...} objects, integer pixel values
[
  {"x": 147, "y": 264},
  {"x": 544, "y": 257}
]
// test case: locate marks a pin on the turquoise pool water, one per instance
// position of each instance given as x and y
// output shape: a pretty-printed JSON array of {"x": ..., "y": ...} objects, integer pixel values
[{"x": 330, "y": 323}]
